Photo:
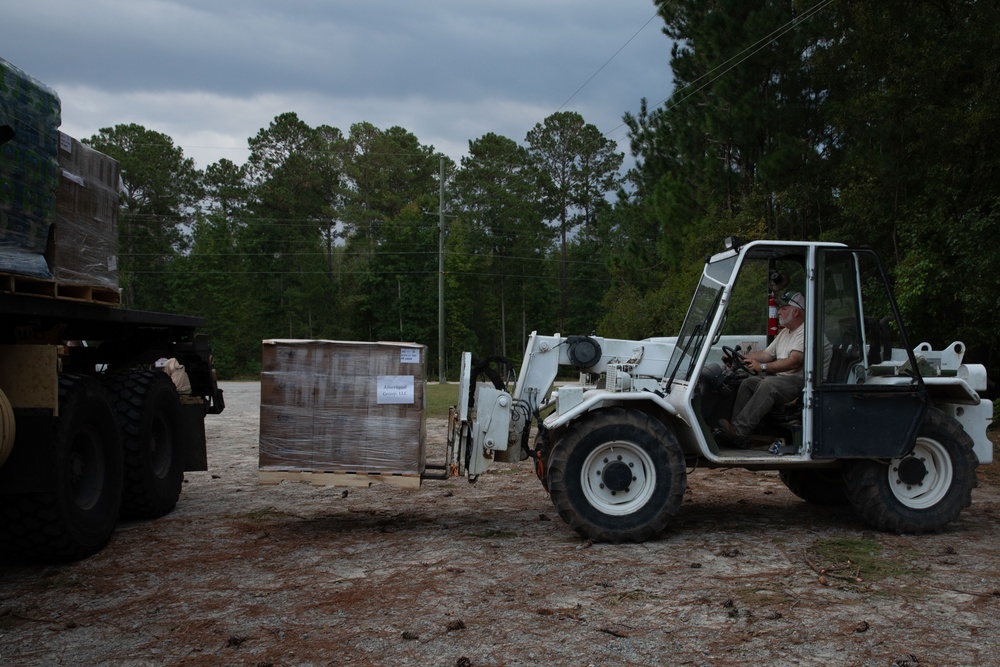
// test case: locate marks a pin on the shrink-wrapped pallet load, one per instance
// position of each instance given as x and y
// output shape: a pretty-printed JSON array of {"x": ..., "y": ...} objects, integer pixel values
[
  {"x": 343, "y": 407},
  {"x": 29, "y": 171},
  {"x": 84, "y": 245}
]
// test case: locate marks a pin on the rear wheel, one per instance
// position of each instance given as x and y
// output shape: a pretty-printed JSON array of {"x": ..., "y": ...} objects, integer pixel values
[
  {"x": 148, "y": 411},
  {"x": 77, "y": 517},
  {"x": 923, "y": 491},
  {"x": 7, "y": 428},
  {"x": 818, "y": 487},
  {"x": 617, "y": 475}
]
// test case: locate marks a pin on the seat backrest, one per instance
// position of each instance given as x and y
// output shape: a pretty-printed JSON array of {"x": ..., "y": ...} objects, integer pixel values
[{"x": 842, "y": 361}]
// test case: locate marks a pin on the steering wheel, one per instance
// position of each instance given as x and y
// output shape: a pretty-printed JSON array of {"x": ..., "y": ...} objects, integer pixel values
[{"x": 737, "y": 357}]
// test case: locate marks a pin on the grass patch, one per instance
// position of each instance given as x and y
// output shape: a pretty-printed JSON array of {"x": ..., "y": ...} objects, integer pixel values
[
  {"x": 440, "y": 397},
  {"x": 864, "y": 556},
  {"x": 762, "y": 597},
  {"x": 633, "y": 595},
  {"x": 504, "y": 471}
]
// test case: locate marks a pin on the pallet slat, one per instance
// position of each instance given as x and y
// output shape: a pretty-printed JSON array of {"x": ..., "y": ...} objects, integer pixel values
[
  {"x": 349, "y": 479},
  {"x": 53, "y": 289}
]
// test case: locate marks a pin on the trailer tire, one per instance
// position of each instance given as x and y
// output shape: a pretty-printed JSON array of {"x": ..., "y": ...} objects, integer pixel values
[
  {"x": 148, "y": 412},
  {"x": 8, "y": 428},
  {"x": 923, "y": 491},
  {"x": 617, "y": 475},
  {"x": 78, "y": 515},
  {"x": 817, "y": 487}
]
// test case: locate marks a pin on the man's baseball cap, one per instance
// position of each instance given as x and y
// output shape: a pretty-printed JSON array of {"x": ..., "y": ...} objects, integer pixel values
[{"x": 793, "y": 299}]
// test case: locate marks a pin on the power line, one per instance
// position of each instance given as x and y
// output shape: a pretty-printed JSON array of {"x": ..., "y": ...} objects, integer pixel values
[
  {"x": 738, "y": 59},
  {"x": 335, "y": 272},
  {"x": 379, "y": 255},
  {"x": 606, "y": 62}
]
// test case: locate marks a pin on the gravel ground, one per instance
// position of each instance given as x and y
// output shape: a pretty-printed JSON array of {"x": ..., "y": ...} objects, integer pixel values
[{"x": 487, "y": 574}]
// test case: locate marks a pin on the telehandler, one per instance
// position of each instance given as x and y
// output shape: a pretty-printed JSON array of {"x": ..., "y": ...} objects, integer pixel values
[{"x": 893, "y": 430}]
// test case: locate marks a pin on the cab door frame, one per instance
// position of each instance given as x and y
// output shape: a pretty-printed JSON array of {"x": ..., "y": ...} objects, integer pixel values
[{"x": 856, "y": 414}]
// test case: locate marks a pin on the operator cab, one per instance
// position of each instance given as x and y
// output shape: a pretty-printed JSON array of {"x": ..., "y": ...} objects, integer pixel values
[{"x": 849, "y": 321}]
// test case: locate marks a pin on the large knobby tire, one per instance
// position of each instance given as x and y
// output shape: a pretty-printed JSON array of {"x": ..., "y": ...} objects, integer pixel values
[
  {"x": 8, "y": 428},
  {"x": 818, "y": 487},
  {"x": 78, "y": 515},
  {"x": 617, "y": 475},
  {"x": 922, "y": 492},
  {"x": 148, "y": 411}
]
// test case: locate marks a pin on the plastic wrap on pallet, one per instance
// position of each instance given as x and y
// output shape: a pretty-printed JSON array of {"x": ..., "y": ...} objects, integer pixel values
[
  {"x": 343, "y": 407},
  {"x": 84, "y": 242},
  {"x": 29, "y": 171},
  {"x": 31, "y": 108}
]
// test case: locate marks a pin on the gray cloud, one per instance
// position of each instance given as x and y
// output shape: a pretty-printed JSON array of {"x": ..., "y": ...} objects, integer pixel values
[{"x": 212, "y": 73}]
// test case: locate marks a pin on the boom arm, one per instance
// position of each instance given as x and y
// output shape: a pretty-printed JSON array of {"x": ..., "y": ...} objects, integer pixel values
[{"x": 501, "y": 421}]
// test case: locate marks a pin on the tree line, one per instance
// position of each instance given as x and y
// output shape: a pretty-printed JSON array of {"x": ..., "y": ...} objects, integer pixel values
[{"x": 867, "y": 123}]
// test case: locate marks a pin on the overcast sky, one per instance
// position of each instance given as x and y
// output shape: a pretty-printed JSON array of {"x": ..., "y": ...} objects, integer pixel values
[{"x": 211, "y": 73}]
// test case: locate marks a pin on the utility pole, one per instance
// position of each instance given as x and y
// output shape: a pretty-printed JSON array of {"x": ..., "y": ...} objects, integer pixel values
[{"x": 441, "y": 375}]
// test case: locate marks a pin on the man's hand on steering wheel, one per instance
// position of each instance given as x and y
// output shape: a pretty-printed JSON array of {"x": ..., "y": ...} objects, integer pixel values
[{"x": 741, "y": 361}]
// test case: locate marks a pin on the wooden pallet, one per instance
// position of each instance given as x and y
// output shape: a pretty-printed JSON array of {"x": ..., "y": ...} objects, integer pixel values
[
  {"x": 11, "y": 283},
  {"x": 350, "y": 479}
]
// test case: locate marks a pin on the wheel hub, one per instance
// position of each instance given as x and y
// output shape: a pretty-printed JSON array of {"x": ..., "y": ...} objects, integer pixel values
[
  {"x": 616, "y": 476},
  {"x": 912, "y": 471}
]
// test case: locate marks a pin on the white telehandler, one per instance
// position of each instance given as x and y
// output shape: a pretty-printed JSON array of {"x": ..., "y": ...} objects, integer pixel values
[{"x": 895, "y": 431}]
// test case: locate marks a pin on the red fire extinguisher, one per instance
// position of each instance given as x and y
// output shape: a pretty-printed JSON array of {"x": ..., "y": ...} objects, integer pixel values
[{"x": 772, "y": 316}]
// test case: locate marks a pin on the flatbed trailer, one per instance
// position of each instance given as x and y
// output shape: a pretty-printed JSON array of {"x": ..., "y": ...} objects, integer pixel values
[{"x": 92, "y": 429}]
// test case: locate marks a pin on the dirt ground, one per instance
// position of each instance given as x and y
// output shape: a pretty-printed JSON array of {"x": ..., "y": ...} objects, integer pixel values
[{"x": 487, "y": 574}]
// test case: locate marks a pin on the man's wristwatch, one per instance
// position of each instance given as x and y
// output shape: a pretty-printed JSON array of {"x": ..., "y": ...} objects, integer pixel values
[{"x": 763, "y": 367}]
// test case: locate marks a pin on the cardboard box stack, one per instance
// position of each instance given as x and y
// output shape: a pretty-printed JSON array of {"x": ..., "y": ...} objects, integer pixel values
[
  {"x": 29, "y": 171},
  {"x": 343, "y": 407},
  {"x": 58, "y": 197},
  {"x": 84, "y": 242}
]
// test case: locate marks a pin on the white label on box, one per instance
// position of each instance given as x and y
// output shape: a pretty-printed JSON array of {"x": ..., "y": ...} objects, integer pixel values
[
  {"x": 394, "y": 390},
  {"x": 409, "y": 355}
]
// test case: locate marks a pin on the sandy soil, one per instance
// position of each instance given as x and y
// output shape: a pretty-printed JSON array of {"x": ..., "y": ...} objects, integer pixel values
[{"x": 487, "y": 574}]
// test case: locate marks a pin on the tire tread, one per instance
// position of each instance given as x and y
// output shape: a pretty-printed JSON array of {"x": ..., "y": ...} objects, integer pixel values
[{"x": 559, "y": 460}]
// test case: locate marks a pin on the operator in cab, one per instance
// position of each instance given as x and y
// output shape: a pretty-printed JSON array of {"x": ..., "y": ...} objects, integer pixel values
[{"x": 778, "y": 374}]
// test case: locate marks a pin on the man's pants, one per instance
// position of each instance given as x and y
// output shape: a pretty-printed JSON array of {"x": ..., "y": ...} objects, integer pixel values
[{"x": 758, "y": 394}]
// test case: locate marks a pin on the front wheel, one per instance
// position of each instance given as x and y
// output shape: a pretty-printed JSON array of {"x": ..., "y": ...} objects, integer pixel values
[
  {"x": 923, "y": 491},
  {"x": 617, "y": 475}
]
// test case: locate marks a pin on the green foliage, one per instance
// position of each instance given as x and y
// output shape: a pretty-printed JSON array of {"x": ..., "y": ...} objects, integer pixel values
[
  {"x": 403, "y": 281},
  {"x": 868, "y": 123},
  {"x": 497, "y": 194},
  {"x": 576, "y": 168},
  {"x": 160, "y": 188}
]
